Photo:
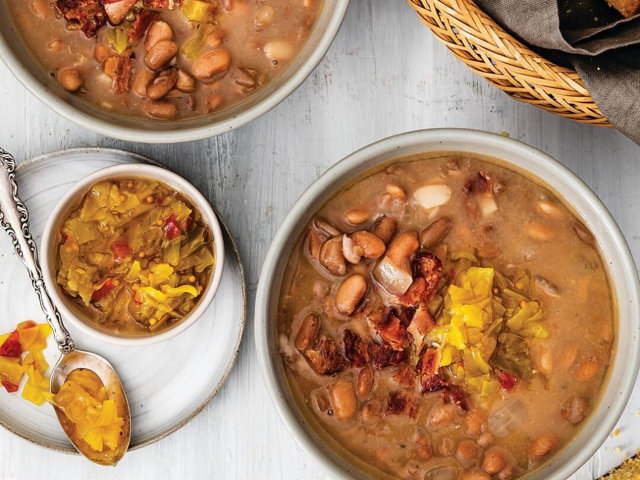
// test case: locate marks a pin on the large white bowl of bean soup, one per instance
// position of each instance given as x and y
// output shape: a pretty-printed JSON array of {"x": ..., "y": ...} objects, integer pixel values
[
  {"x": 163, "y": 71},
  {"x": 449, "y": 304}
]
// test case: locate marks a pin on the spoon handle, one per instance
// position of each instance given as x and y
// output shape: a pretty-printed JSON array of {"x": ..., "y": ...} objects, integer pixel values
[{"x": 14, "y": 218}]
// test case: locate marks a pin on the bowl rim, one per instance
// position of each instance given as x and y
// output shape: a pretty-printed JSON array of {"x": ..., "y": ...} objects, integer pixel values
[
  {"x": 363, "y": 159},
  {"x": 131, "y": 170},
  {"x": 210, "y": 127}
]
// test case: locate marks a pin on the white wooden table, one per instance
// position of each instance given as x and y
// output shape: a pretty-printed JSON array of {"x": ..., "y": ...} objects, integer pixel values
[{"x": 385, "y": 74}]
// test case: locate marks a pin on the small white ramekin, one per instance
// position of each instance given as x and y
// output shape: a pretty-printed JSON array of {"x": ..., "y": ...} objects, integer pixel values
[{"x": 70, "y": 311}]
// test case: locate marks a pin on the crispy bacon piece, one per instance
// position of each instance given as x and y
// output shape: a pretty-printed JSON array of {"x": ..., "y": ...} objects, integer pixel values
[
  {"x": 118, "y": 68},
  {"x": 456, "y": 396},
  {"x": 481, "y": 183},
  {"x": 415, "y": 293},
  {"x": 382, "y": 355},
  {"x": 394, "y": 329},
  {"x": 429, "y": 267},
  {"x": 399, "y": 403},
  {"x": 86, "y": 15},
  {"x": 326, "y": 359},
  {"x": 405, "y": 376},
  {"x": 431, "y": 383},
  {"x": 429, "y": 370},
  {"x": 422, "y": 323},
  {"x": 141, "y": 24},
  {"x": 428, "y": 361},
  {"x": 356, "y": 349}
]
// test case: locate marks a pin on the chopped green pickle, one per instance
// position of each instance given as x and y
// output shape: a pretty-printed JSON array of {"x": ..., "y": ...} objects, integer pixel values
[{"x": 134, "y": 255}]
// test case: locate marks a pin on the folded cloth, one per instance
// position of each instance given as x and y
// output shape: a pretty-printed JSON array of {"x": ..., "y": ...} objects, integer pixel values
[{"x": 590, "y": 37}]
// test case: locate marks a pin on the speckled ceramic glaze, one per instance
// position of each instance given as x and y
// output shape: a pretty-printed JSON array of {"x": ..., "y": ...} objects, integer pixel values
[
  {"x": 168, "y": 383},
  {"x": 626, "y": 355}
]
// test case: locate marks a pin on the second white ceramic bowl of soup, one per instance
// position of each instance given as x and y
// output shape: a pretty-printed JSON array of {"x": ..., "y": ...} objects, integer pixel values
[
  {"x": 50, "y": 244},
  {"x": 534, "y": 163},
  {"x": 23, "y": 64}
]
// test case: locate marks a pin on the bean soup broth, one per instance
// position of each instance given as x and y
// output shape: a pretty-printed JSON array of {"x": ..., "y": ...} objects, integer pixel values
[
  {"x": 446, "y": 318},
  {"x": 162, "y": 59}
]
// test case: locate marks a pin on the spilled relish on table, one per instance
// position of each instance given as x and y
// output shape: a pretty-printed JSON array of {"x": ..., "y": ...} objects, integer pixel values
[{"x": 134, "y": 255}]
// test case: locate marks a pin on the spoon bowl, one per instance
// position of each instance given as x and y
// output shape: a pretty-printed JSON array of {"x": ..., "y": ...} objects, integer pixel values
[
  {"x": 81, "y": 360},
  {"x": 14, "y": 219}
]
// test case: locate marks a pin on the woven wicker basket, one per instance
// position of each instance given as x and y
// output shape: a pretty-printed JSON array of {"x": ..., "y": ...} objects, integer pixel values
[{"x": 488, "y": 50}]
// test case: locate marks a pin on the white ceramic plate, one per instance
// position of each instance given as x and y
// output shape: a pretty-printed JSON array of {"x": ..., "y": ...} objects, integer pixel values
[{"x": 167, "y": 384}]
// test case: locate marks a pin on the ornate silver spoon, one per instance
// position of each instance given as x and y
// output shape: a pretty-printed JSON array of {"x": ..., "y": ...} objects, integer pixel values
[{"x": 14, "y": 219}]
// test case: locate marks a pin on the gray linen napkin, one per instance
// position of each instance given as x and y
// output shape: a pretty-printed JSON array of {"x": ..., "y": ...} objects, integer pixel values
[{"x": 590, "y": 37}]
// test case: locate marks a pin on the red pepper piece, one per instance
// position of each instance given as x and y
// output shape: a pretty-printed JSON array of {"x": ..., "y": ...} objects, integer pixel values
[
  {"x": 508, "y": 381},
  {"x": 103, "y": 291},
  {"x": 10, "y": 386},
  {"x": 171, "y": 227},
  {"x": 11, "y": 347},
  {"x": 120, "y": 250}
]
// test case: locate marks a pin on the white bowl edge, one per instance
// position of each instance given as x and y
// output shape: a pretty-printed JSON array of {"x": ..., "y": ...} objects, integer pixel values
[
  {"x": 614, "y": 248},
  {"x": 133, "y": 171},
  {"x": 210, "y": 127}
]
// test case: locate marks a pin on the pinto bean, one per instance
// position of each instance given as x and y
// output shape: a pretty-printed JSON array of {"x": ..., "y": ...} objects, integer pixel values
[
  {"x": 493, "y": 461},
  {"x": 371, "y": 411},
  {"x": 365, "y": 381},
  {"x": 385, "y": 228},
  {"x": 160, "y": 54},
  {"x": 186, "y": 83},
  {"x": 308, "y": 331},
  {"x": 332, "y": 258},
  {"x": 507, "y": 472},
  {"x": 158, "y": 31},
  {"x": 588, "y": 370},
  {"x": 214, "y": 102},
  {"x": 102, "y": 52},
  {"x": 214, "y": 39},
  {"x": 467, "y": 451},
  {"x": 356, "y": 217},
  {"x": 211, "y": 64},
  {"x": 70, "y": 79},
  {"x": 142, "y": 80},
  {"x": 574, "y": 409},
  {"x": 278, "y": 50},
  {"x": 549, "y": 208},
  {"x": 350, "y": 293},
  {"x": 542, "y": 445},
  {"x": 372, "y": 246},
  {"x": 396, "y": 191},
  {"x": 326, "y": 228},
  {"x": 435, "y": 232},
  {"x": 245, "y": 78},
  {"x": 351, "y": 251},
  {"x": 343, "y": 400},
  {"x": 314, "y": 243},
  {"x": 446, "y": 446},
  {"x": 540, "y": 232},
  {"x": 442, "y": 415},
  {"x": 264, "y": 17},
  {"x": 162, "y": 84},
  {"x": 160, "y": 109},
  {"x": 584, "y": 234},
  {"x": 402, "y": 248}
]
